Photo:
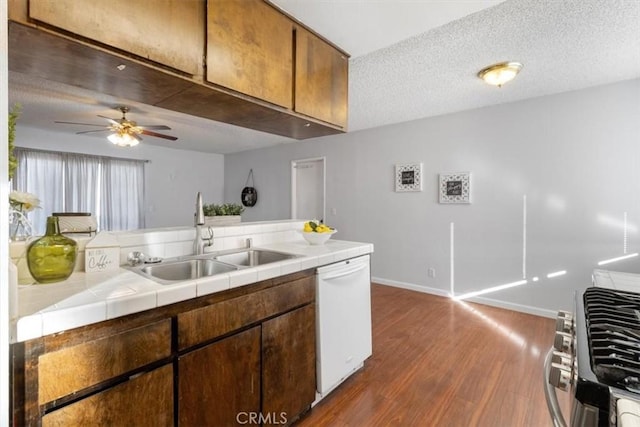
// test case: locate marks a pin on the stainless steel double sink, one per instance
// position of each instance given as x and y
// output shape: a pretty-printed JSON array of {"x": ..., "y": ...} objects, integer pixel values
[{"x": 185, "y": 268}]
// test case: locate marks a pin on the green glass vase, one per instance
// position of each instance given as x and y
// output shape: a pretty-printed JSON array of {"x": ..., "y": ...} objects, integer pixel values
[{"x": 52, "y": 257}]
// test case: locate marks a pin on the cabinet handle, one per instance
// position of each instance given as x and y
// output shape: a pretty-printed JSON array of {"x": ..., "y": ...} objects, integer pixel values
[{"x": 135, "y": 375}]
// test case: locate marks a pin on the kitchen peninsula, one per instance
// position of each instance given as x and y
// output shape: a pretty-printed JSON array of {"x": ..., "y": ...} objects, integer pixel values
[{"x": 119, "y": 347}]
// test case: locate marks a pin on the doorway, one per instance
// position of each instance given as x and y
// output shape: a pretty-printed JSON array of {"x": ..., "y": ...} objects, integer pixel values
[{"x": 308, "y": 189}]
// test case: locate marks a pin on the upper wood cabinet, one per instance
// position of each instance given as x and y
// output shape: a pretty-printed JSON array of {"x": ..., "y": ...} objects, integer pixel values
[
  {"x": 242, "y": 62},
  {"x": 249, "y": 49},
  {"x": 254, "y": 49},
  {"x": 321, "y": 79},
  {"x": 169, "y": 32}
]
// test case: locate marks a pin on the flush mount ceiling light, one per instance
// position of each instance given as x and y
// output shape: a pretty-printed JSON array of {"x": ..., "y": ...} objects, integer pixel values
[{"x": 499, "y": 74}]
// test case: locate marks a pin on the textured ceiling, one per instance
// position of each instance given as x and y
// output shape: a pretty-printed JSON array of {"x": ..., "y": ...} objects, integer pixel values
[{"x": 564, "y": 45}]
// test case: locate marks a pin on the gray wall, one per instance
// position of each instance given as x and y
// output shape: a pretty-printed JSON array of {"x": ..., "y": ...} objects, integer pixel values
[
  {"x": 575, "y": 156},
  {"x": 172, "y": 177}
]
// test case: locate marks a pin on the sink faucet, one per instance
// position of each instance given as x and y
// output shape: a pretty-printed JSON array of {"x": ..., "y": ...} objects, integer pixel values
[{"x": 198, "y": 247}]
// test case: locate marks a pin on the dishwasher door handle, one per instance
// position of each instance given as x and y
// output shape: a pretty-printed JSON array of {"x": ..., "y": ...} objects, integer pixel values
[{"x": 343, "y": 273}]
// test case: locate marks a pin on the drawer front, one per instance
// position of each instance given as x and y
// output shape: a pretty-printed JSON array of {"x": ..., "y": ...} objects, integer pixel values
[
  {"x": 146, "y": 400},
  {"x": 71, "y": 369},
  {"x": 197, "y": 326}
]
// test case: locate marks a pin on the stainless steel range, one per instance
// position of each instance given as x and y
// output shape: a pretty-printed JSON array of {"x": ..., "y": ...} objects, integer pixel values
[{"x": 596, "y": 357}]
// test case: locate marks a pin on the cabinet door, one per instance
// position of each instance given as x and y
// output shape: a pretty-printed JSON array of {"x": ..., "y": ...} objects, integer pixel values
[
  {"x": 288, "y": 365},
  {"x": 170, "y": 32},
  {"x": 250, "y": 49},
  {"x": 322, "y": 74},
  {"x": 146, "y": 400},
  {"x": 220, "y": 384}
]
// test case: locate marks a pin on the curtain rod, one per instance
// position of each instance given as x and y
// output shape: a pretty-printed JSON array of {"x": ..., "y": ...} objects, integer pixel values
[{"x": 84, "y": 154}]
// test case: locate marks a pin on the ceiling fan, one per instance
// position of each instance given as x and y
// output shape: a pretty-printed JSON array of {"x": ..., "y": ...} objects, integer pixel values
[{"x": 126, "y": 133}]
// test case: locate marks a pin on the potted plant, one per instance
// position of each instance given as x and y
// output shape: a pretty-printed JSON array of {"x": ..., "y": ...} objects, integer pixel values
[
  {"x": 224, "y": 214},
  {"x": 13, "y": 117}
]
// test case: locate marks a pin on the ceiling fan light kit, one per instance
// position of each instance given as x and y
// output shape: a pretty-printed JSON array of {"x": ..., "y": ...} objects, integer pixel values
[
  {"x": 123, "y": 139},
  {"x": 125, "y": 132},
  {"x": 501, "y": 73}
]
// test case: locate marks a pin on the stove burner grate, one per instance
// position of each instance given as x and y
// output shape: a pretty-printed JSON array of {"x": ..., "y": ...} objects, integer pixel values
[{"x": 613, "y": 328}]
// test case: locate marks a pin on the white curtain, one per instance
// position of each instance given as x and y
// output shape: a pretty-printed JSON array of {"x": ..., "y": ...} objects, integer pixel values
[
  {"x": 81, "y": 179},
  {"x": 40, "y": 173},
  {"x": 110, "y": 189},
  {"x": 122, "y": 195}
]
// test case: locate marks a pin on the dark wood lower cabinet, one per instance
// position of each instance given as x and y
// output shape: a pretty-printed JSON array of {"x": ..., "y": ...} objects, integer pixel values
[
  {"x": 146, "y": 400},
  {"x": 242, "y": 357},
  {"x": 220, "y": 383},
  {"x": 288, "y": 365}
]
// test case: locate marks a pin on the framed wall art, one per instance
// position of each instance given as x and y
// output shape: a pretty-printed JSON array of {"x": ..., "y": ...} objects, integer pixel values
[
  {"x": 409, "y": 177},
  {"x": 455, "y": 187}
]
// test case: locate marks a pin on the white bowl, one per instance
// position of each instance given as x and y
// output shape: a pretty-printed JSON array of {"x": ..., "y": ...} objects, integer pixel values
[{"x": 314, "y": 238}]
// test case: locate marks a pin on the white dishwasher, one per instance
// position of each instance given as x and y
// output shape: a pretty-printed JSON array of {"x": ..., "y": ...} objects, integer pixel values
[{"x": 343, "y": 321}]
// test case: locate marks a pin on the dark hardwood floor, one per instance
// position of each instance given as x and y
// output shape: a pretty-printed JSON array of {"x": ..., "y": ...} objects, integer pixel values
[{"x": 439, "y": 362}]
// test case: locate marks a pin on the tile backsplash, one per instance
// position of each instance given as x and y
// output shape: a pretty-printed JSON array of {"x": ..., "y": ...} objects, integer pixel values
[{"x": 176, "y": 241}]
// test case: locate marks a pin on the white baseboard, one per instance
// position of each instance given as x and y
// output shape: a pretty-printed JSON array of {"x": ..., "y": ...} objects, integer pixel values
[
  {"x": 411, "y": 286},
  {"x": 486, "y": 301}
]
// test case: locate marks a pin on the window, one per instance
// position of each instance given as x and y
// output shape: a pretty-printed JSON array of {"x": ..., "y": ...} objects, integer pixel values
[{"x": 111, "y": 189}]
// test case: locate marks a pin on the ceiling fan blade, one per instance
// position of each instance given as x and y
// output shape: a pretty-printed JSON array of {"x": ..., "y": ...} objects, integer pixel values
[
  {"x": 83, "y": 124},
  {"x": 158, "y": 135},
  {"x": 90, "y": 131},
  {"x": 112, "y": 121},
  {"x": 155, "y": 127}
]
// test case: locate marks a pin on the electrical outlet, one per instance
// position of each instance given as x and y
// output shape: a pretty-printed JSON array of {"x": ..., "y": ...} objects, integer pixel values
[{"x": 431, "y": 272}]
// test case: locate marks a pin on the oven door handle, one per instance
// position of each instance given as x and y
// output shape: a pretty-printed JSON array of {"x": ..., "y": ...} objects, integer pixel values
[{"x": 550, "y": 394}]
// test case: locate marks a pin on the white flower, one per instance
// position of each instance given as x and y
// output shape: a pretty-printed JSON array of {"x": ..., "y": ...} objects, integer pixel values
[{"x": 24, "y": 202}]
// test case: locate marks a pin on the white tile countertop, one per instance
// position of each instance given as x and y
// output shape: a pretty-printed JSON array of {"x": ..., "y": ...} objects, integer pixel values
[{"x": 87, "y": 298}]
